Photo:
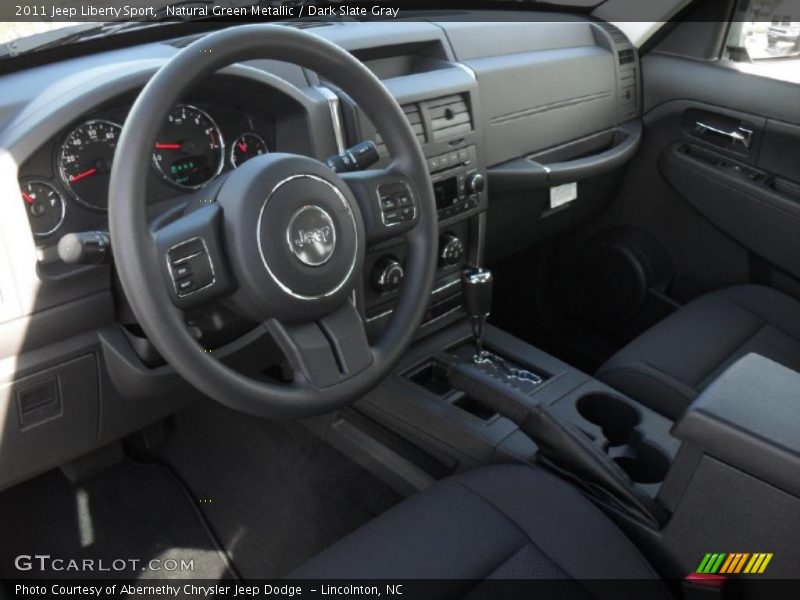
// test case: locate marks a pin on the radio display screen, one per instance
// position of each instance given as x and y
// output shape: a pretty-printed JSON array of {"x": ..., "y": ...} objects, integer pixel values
[{"x": 446, "y": 192}]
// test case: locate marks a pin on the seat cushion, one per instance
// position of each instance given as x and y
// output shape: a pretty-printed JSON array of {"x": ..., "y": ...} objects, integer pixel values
[
  {"x": 503, "y": 521},
  {"x": 670, "y": 364}
]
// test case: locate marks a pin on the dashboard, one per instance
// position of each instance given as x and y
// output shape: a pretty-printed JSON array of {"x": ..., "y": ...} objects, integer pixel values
[
  {"x": 496, "y": 119},
  {"x": 64, "y": 185}
]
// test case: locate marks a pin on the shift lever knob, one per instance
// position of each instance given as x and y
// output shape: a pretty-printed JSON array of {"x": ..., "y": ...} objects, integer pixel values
[{"x": 477, "y": 289}]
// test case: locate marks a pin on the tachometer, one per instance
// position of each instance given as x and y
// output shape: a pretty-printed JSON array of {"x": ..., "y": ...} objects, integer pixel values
[
  {"x": 44, "y": 205},
  {"x": 247, "y": 146},
  {"x": 85, "y": 161},
  {"x": 189, "y": 151}
]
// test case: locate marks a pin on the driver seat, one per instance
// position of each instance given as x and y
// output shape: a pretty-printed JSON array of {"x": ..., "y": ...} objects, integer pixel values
[{"x": 497, "y": 522}]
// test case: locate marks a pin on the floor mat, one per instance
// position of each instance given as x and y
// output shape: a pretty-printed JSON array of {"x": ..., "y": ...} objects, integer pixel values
[
  {"x": 126, "y": 517},
  {"x": 274, "y": 492}
]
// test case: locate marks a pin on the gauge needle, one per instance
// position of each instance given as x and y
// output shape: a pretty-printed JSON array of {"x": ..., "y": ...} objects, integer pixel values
[
  {"x": 79, "y": 176},
  {"x": 168, "y": 146},
  {"x": 242, "y": 146},
  {"x": 28, "y": 198}
]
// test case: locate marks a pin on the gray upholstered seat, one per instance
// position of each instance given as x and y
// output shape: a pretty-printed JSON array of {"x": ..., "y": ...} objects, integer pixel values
[
  {"x": 670, "y": 364},
  {"x": 498, "y": 522}
]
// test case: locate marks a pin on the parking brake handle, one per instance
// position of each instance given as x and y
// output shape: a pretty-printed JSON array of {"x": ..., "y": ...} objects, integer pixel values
[{"x": 561, "y": 444}]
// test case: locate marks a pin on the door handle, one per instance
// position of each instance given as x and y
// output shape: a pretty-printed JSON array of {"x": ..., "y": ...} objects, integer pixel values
[{"x": 740, "y": 135}]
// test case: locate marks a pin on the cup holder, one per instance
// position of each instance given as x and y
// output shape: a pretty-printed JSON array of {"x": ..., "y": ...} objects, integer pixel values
[
  {"x": 615, "y": 417},
  {"x": 649, "y": 465}
]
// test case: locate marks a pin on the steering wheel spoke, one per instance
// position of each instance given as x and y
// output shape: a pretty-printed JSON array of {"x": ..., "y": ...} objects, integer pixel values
[
  {"x": 388, "y": 202},
  {"x": 192, "y": 258},
  {"x": 327, "y": 351}
]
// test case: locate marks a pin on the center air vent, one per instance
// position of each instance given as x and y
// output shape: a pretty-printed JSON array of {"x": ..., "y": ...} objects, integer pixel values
[
  {"x": 414, "y": 118},
  {"x": 449, "y": 116}
]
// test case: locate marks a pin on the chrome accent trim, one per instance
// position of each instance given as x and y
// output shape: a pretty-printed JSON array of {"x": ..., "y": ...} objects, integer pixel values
[
  {"x": 740, "y": 135},
  {"x": 63, "y": 175},
  {"x": 336, "y": 115},
  {"x": 221, "y": 164},
  {"x": 445, "y": 286},
  {"x": 380, "y": 206},
  {"x": 425, "y": 324},
  {"x": 393, "y": 264},
  {"x": 241, "y": 135},
  {"x": 184, "y": 259},
  {"x": 293, "y": 246},
  {"x": 442, "y": 316},
  {"x": 478, "y": 276},
  {"x": 435, "y": 291},
  {"x": 385, "y": 313},
  {"x": 349, "y": 211},
  {"x": 63, "y": 204}
]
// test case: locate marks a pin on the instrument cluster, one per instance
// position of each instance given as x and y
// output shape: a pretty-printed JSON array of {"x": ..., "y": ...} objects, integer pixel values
[{"x": 197, "y": 142}]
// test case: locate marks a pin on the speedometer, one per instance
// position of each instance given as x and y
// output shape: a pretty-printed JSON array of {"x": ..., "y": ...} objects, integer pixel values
[
  {"x": 84, "y": 161},
  {"x": 189, "y": 151}
]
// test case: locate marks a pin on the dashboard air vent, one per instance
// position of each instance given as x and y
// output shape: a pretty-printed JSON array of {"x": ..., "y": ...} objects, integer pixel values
[
  {"x": 449, "y": 116},
  {"x": 616, "y": 34},
  {"x": 415, "y": 118},
  {"x": 627, "y": 70},
  {"x": 627, "y": 56}
]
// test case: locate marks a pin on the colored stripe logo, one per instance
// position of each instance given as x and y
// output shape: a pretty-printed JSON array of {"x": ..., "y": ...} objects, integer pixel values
[{"x": 735, "y": 562}]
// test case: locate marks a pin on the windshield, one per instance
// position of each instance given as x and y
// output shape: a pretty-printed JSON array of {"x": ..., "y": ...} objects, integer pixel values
[
  {"x": 11, "y": 31},
  {"x": 46, "y": 22}
]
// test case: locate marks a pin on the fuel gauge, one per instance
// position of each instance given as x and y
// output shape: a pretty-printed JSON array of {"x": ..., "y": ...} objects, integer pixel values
[
  {"x": 247, "y": 146},
  {"x": 45, "y": 206}
]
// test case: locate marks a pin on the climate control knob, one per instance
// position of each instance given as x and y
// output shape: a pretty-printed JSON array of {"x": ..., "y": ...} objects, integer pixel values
[
  {"x": 451, "y": 250},
  {"x": 387, "y": 274},
  {"x": 476, "y": 183}
]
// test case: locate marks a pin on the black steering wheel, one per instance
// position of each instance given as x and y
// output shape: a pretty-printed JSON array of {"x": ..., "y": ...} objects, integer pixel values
[{"x": 280, "y": 240}]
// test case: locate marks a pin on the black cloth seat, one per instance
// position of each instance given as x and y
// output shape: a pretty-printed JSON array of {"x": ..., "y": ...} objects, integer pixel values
[
  {"x": 670, "y": 364},
  {"x": 503, "y": 522}
]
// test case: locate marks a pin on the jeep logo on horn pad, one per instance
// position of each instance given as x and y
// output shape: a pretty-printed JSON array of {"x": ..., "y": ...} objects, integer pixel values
[{"x": 311, "y": 235}]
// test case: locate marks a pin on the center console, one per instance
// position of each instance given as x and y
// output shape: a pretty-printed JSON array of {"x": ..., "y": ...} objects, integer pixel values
[
  {"x": 733, "y": 457},
  {"x": 443, "y": 108}
]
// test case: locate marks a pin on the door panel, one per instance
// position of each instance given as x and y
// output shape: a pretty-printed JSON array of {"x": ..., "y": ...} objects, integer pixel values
[{"x": 727, "y": 145}]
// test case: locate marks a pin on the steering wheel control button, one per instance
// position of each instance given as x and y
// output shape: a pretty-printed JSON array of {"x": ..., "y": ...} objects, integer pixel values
[
  {"x": 190, "y": 267},
  {"x": 396, "y": 203},
  {"x": 181, "y": 270},
  {"x": 311, "y": 235},
  {"x": 184, "y": 286}
]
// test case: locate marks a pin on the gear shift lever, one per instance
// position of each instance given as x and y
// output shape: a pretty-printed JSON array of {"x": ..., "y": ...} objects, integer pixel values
[{"x": 477, "y": 289}]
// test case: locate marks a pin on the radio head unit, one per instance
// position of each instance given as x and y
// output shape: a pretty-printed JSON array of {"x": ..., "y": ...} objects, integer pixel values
[{"x": 457, "y": 183}]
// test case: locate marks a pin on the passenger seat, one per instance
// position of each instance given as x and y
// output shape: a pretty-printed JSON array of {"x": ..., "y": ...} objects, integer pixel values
[{"x": 666, "y": 367}]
